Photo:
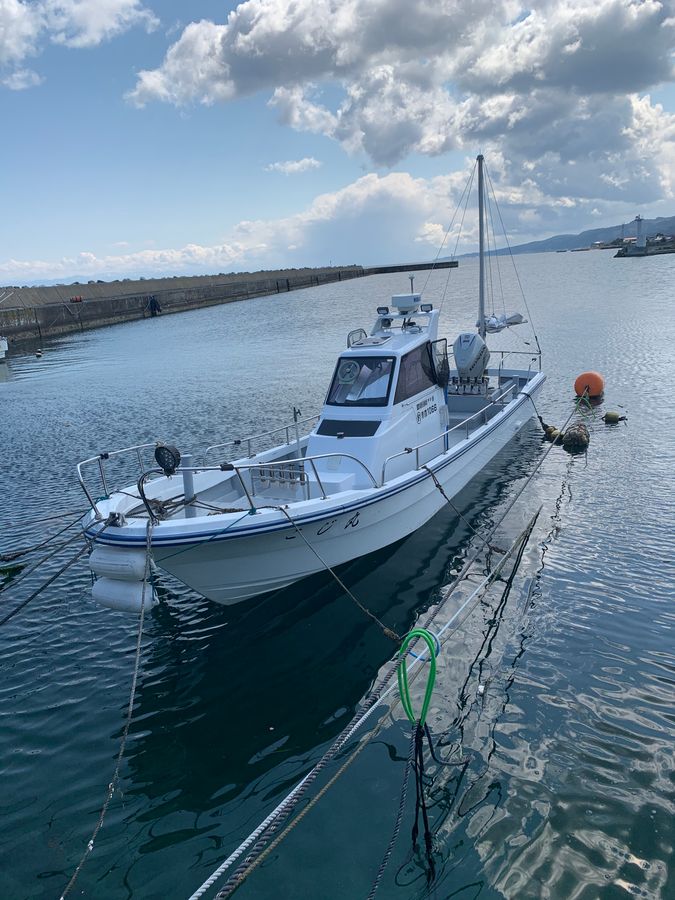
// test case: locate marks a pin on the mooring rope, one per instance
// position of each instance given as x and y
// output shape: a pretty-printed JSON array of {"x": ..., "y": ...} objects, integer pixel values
[
  {"x": 11, "y": 555},
  {"x": 388, "y": 632},
  {"x": 13, "y": 582},
  {"x": 397, "y": 822},
  {"x": 418, "y": 723},
  {"x": 288, "y": 804},
  {"x": 46, "y": 584},
  {"x": 245, "y": 870},
  {"x": 463, "y": 518},
  {"x": 42, "y": 519},
  {"x": 127, "y": 724},
  {"x": 257, "y": 840}
]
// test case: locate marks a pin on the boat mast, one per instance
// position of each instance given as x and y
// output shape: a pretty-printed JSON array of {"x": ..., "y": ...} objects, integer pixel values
[{"x": 481, "y": 250}]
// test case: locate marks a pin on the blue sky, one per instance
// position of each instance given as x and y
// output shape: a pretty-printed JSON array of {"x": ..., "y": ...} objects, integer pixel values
[{"x": 141, "y": 141}]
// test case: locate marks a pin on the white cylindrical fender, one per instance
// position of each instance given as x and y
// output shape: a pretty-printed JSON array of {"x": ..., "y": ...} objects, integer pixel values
[
  {"x": 118, "y": 562},
  {"x": 126, "y": 596}
]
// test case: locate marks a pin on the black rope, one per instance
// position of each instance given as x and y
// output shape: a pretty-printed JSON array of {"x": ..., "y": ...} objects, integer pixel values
[
  {"x": 466, "y": 191},
  {"x": 513, "y": 262},
  {"x": 388, "y": 632},
  {"x": 42, "y": 519},
  {"x": 259, "y": 840},
  {"x": 421, "y": 804},
  {"x": 468, "y": 524},
  {"x": 397, "y": 823},
  {"x": 13, "y": 582},
  {"x": 32, "y": 597},
  {"x": 464, "y": 761},
  {"x": 11, "y": 555},
  {"x": 541, "y": 421}
]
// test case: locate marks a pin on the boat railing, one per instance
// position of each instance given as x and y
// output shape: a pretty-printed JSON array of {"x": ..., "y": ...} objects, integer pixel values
[
  {"x": 294, "y": 468},
  {"x": 100, "y": 460},
  {"x": 534, "y": 357},
  {"x": 136, "y": 451},
  {"x": 465, "y": 423},
  {"x": 287, "y": 430},
  {"x": 287, "y": 472}
]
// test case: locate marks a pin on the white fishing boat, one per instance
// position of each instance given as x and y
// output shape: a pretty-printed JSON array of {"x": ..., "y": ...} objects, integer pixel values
[
  {"x": 4, "y": 346},
  {"x": 401, "y": 427}
]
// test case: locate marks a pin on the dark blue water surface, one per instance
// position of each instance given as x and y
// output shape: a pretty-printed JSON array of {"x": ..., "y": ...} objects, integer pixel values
[{"x": 569, "y": 789}]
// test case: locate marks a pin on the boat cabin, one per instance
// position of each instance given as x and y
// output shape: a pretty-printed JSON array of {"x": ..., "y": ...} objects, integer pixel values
[{"x": 387, "y": 386}]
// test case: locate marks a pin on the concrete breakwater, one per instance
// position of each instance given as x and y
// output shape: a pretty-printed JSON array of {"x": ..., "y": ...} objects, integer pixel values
[{"x": 36, "y": 313}]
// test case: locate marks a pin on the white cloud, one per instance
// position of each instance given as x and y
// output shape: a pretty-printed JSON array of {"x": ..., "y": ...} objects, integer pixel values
[
  {"x": 331, "y": 227},
  {"x": 22, "y": 79},
  {"x": 608, "y": 46},
  {"x": 297, "y": 109},
  {"x": 87, "y": 23},
  {"x": 294, "y": 166},
  {"x": 20, "y": 26},
  {"x": 25, "y": 26},
  {"x": 376, "y": 219},
  {"x": 192, "y": 70},
  {"x": 270, "y": 43},
  {"x": 556, "y": 87}
]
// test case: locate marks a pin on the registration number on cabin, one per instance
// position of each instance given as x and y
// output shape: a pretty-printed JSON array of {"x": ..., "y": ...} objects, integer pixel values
[{"x": 426, "y": 408}]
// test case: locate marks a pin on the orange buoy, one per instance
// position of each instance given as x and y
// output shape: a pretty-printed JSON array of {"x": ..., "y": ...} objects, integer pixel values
[{"x": 591, "y": 383}]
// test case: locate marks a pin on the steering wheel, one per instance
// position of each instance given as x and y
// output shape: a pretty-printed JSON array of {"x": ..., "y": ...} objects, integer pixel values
[{"x": 348, "y": 371}]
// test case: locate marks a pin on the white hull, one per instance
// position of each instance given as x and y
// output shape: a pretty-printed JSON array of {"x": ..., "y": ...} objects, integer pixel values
[
  {"x": 244, "y": 556},
  {"x": 4, "y": 346}
]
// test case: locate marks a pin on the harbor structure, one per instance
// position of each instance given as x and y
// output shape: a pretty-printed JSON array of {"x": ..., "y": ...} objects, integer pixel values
[{"x": 36, "y": 313}]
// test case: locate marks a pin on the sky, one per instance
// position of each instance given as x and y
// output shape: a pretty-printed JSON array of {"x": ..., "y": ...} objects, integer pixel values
[{"x": 164, "y": 138}]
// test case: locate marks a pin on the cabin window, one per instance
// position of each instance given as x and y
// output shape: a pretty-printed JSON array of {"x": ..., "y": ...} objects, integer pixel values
[
  {"x": 361, "y": 381},
  {"x": 416, "y": 373}
]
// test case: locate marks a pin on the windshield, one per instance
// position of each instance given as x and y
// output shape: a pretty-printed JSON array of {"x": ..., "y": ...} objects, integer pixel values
[{"x": 361, "y": 381}]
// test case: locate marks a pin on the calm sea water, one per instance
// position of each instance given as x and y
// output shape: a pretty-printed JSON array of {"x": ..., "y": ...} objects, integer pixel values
[{"x": 570, "y": 788}]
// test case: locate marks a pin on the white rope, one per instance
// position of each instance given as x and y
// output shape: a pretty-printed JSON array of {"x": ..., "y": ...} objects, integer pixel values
[
  {"x": 125, "y": 733},
  {"x": 251, "y": 839}
]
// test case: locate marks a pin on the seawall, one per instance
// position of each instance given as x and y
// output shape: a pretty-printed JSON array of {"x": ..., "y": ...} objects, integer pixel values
[{"x": 36, "y": 313}]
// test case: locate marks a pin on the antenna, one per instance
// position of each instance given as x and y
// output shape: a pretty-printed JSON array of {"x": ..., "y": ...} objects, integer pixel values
[{"x": 412, "y": 282}]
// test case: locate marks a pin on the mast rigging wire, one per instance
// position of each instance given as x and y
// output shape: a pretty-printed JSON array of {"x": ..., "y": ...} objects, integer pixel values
[{"x": 513, "y": 262}]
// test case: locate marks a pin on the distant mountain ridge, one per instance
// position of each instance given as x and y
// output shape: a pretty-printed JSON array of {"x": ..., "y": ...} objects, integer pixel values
[{"x": 650, "y": 227}]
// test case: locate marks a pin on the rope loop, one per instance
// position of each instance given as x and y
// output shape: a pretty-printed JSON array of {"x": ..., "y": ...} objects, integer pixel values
[
  {"x": 584, "y": 406},
  {"x": 421, "y": 656},
  {"x": 402, "y": 674}
]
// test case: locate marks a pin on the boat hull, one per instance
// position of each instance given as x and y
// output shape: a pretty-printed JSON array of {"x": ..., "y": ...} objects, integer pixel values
[{"x": 230, "y": 568}]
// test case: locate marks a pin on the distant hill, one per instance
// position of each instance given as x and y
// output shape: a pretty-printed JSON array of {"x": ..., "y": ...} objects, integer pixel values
[{"x": 650, "y": 227}]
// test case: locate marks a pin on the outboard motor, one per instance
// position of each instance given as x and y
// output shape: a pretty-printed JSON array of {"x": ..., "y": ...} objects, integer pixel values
[
  {"x": 471, "y": 358},
  {"x": 471, "y": 355}
]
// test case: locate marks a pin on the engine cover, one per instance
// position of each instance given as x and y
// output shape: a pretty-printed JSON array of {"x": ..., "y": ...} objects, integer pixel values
[{"x": 471, "y": 356}]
